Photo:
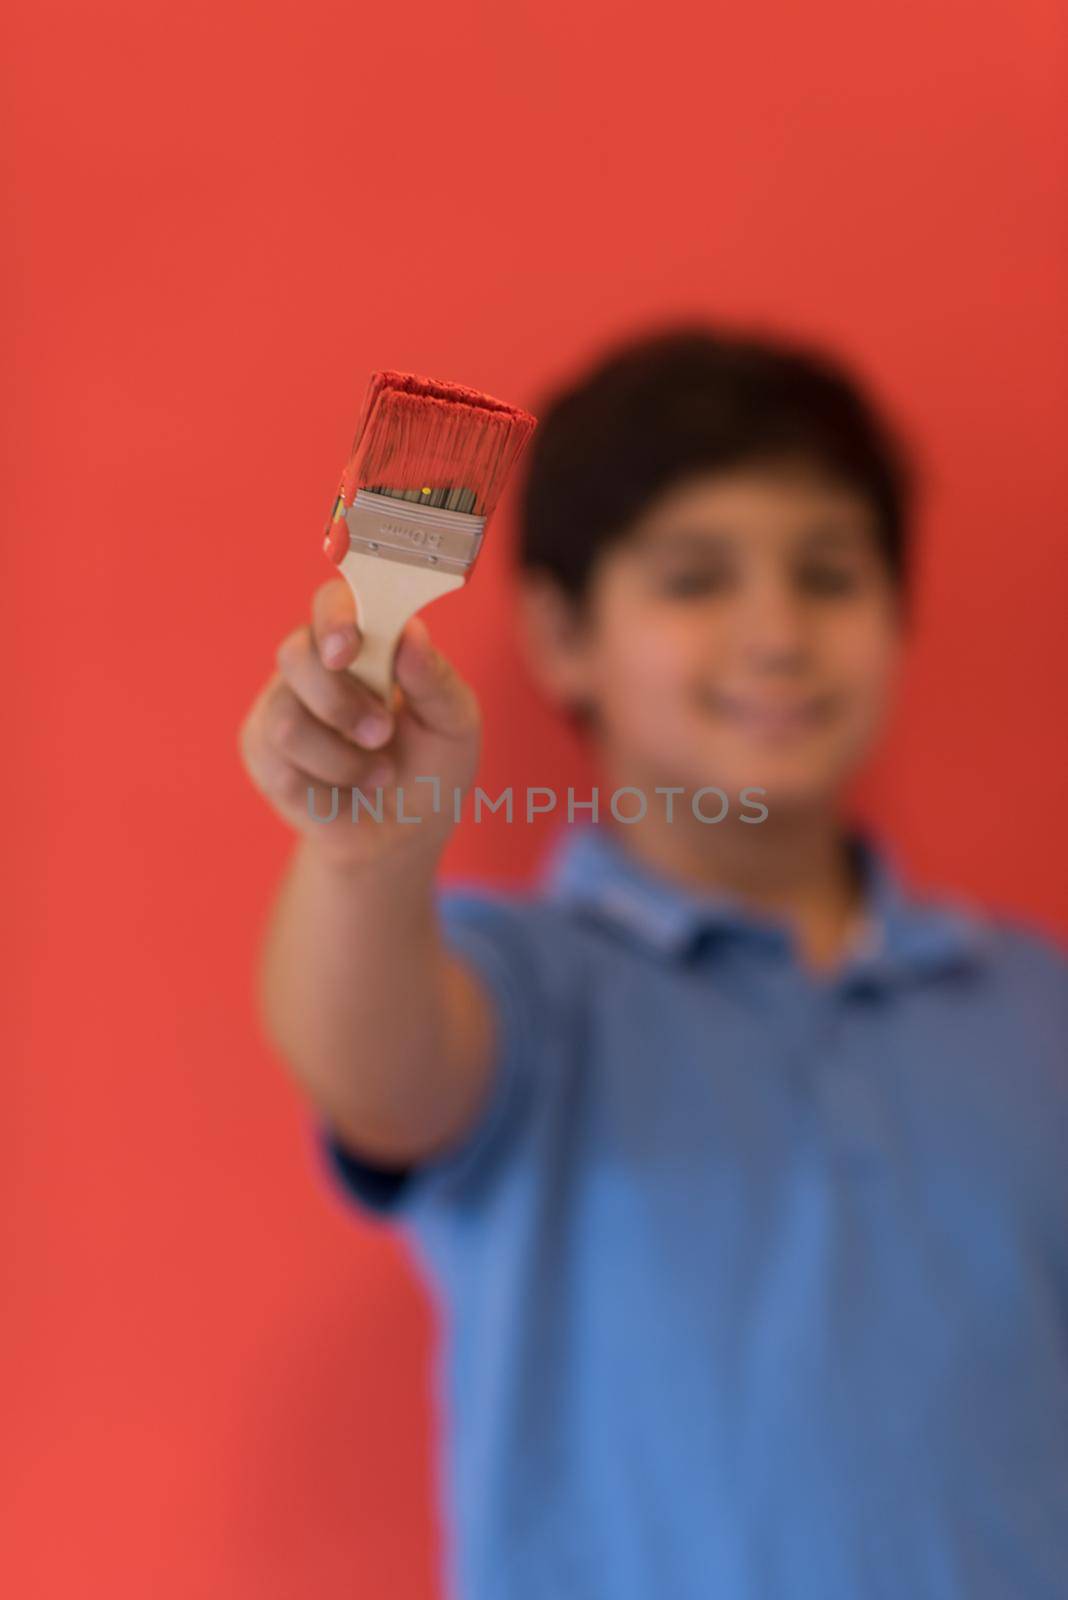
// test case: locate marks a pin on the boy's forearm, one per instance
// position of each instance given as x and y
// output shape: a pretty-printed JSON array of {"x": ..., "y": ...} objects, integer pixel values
[{"x": 360, "y": 997}]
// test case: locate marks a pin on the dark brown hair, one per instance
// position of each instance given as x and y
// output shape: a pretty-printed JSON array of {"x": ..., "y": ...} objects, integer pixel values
[{"x": 692, "y": 397}]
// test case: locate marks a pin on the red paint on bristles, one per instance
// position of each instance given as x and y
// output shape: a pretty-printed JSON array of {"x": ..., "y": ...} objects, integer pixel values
[{"x": 415, "y": 432}]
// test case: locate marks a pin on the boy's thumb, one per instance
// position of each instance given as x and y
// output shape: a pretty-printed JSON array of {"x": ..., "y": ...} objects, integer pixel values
[{"x": 433, "y": 689}]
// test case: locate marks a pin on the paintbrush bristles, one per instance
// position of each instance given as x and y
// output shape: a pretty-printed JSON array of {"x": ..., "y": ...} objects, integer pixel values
[{"x": 419, "y": 434}]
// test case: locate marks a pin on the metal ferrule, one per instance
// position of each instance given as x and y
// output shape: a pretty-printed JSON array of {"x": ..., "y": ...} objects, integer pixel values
[{"x": 420, "y": 536}]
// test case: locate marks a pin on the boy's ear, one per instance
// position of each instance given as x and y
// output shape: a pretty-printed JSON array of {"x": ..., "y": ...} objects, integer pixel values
[{"x": 554, "y": 634}]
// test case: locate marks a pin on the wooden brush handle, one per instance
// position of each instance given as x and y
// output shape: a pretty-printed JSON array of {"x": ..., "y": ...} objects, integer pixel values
[{"x": 387, "y": 593}]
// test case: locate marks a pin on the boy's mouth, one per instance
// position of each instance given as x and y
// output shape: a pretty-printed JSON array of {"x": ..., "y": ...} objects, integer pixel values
[{"x": 773, "y": 718}]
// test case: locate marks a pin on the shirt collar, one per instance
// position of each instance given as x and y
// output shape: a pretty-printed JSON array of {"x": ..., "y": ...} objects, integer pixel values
[{"x": 904, "y": 935}]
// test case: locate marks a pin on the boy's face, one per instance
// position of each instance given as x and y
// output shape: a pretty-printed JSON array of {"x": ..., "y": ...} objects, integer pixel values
[{"x": 744, "y": 632}]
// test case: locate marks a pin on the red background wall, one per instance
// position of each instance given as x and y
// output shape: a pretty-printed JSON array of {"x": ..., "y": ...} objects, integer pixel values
[{"x": 224, "y": 217}]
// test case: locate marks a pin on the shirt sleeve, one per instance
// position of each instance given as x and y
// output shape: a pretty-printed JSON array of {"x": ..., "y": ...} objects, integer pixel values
[{"x": 492, "y": 932}]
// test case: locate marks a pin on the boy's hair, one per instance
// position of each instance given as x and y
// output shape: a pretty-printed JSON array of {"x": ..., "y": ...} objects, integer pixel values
[{"x": 688, "y": 398}]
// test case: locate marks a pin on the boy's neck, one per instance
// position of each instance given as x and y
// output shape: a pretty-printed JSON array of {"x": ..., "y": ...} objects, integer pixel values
[{"x": 794, "y": 866}]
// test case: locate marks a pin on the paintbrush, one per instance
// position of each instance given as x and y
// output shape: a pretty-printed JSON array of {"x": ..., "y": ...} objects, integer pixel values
[{"x": 427, "y": 467}]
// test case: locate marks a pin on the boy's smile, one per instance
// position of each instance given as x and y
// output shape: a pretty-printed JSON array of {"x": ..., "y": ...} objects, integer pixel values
[
  {"x": 743, "y": 632},
  {"x": 772, "y": 719}
]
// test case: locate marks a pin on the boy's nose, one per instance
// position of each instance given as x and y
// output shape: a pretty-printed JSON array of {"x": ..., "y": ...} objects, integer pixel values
[{"x": 773, "y": 627}]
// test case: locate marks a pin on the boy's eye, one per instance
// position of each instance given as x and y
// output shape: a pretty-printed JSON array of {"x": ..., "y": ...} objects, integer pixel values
[
  {"x": 822, "y": 578},
  {"x": 689, "y": 581},
  {"x": 830, "y": 580}
]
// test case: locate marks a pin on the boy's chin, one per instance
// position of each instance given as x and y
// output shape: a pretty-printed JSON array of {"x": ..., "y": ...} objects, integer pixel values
[{"x": 780, "y": 783}]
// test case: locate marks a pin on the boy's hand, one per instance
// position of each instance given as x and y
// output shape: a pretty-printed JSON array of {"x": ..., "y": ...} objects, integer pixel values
[{"x": 310, "y": 728}]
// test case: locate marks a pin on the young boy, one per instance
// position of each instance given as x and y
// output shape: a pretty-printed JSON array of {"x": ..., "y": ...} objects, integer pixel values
[{"x": 737, "y": 1166}]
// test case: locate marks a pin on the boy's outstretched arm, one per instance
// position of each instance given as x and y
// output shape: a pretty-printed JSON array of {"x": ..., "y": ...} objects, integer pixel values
[{"x": 389, "y": 1034}]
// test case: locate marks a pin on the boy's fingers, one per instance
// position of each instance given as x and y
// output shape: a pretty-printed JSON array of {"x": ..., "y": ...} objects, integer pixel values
[
  {"x": 336, "y": 698},
  {"x": 286, "y": 787},
  {"x": 311, "y": 746},
  {"x": 334, "y": 623},
  {"x": 433, "y": 689}
]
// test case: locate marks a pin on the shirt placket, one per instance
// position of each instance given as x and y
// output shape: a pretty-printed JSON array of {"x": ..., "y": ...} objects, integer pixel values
[{"x": 839, "y": 1090}]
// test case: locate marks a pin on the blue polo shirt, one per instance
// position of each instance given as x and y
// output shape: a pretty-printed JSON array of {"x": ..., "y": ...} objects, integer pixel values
[{"x": 753, "y": 1284}]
